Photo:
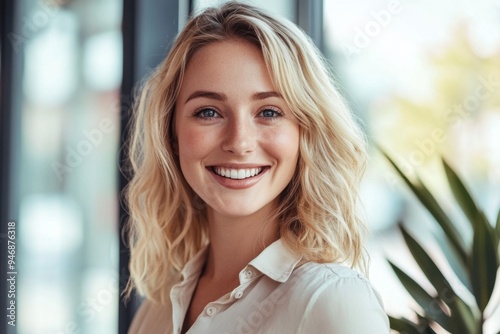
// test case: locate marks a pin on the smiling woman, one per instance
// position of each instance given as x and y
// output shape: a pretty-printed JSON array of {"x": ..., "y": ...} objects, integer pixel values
[{"x": 243, "y": 117}]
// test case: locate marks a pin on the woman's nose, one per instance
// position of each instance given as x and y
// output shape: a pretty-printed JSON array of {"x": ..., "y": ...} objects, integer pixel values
[{"x": 240, "y": 137}]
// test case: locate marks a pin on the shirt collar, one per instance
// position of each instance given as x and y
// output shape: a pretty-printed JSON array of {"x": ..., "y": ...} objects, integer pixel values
[
  {"x": 276, "y": 261},
  {"x": 194, "y": 266}
]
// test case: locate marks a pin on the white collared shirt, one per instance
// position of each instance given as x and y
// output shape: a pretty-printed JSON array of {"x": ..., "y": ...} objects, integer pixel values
[{"x": 275, "y": 295}]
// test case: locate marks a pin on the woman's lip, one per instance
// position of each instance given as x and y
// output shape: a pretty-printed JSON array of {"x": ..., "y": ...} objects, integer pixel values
[
  {"x": 238, "y": 166},
  {"x": 238, "y": 183}
]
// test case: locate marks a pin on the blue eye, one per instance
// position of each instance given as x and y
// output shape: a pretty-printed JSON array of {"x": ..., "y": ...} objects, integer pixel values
[
  {"x": 270, "y": 113},
  {"x": 206, "y": 113}
]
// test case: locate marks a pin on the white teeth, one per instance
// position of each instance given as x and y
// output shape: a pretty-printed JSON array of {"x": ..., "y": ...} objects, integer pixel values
[{"x": 237, "y": 174}]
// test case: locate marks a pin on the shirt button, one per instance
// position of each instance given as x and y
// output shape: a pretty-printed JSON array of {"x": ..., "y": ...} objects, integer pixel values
[
  {"x": 238, "y": 295},
  {"x": 211, "y": 311},
  {"x": 248, "y": 273}
]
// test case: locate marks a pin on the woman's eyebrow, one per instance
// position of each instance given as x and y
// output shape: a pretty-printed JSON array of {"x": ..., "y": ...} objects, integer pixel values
[
  {"x": 207, "y": 94},
  {"x": 222, "y": 97},
  {"x": 265, "y": 95}
]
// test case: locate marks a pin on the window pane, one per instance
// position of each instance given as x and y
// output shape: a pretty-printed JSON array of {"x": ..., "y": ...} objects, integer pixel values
[{"x": 68, "y": 240}]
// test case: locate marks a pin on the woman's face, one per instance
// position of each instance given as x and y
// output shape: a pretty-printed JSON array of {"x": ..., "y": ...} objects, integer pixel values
[{"x": 237, "y": 141}]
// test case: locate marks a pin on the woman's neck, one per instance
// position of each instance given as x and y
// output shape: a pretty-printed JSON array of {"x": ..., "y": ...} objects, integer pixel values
[{"x": 234, "y": 242}]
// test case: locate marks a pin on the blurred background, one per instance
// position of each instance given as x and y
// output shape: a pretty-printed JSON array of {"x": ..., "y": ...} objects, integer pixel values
[{"x": 422, "y": 76}]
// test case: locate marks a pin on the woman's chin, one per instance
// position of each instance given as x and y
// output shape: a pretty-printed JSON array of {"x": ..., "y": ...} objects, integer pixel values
[{"x": 242, "y": 211}]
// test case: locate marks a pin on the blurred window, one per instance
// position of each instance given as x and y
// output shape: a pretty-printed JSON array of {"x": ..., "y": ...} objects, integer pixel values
[{"x": 68, "y": 240}]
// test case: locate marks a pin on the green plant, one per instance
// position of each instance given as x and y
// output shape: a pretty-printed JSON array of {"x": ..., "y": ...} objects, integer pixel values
[{"x": 475, "y": 265}]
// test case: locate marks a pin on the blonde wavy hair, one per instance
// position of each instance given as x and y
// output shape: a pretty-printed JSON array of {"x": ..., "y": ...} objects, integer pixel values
[{"x": 318, "y": 212}]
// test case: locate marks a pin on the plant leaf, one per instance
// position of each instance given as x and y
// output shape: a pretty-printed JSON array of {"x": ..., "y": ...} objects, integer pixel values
[
  {"x": 403, "y": 325},
  {"x": 461, "y": 314},
  {"x": 483, "y": 263},
  {"x": 498, "y": 226},
  {"x": 430, "y": 203},
  {"x": 462, "y": 319},
  {"x": 484, "y": 259},
  {"x": 462, "y": 195},
  {"x": 430, "y": 305},
  {"x": 497, "y": 230},
  {"x": 460, "y": 269},
  {"x": 427, "y": 265},
  {"x": 450, "y": 230}
]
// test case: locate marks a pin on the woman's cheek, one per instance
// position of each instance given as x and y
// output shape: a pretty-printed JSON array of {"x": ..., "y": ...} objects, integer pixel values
[
  {"x": 193, "y": 142},
  {"x": 284, "y": 140}
]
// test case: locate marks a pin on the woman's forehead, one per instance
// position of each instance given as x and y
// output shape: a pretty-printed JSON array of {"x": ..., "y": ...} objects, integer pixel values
[{"x": 227, "y": 66}]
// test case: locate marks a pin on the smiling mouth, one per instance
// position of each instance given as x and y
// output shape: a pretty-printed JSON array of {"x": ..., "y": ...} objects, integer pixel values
[{"x": 237, "y": 174}]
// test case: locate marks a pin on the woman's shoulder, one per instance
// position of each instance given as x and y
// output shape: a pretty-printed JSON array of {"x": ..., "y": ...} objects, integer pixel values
[
  {"x": 314, "y": 274},
  {"x": 336, "y": 295},
  {"x": 334, "y": 282}
]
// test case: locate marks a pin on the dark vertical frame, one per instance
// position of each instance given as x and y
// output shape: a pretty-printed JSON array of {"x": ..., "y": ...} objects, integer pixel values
[
  {"x": 125, "y": 309},
  {"x": 6, "y": 25},
  {"x": 148, "y": 28},
  {"x": 310, "y": 19},
  {"x": 10, "y": 92}
]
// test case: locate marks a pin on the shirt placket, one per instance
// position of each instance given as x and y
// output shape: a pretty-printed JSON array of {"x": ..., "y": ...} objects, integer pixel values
[{"x": 246, "y": 277}]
